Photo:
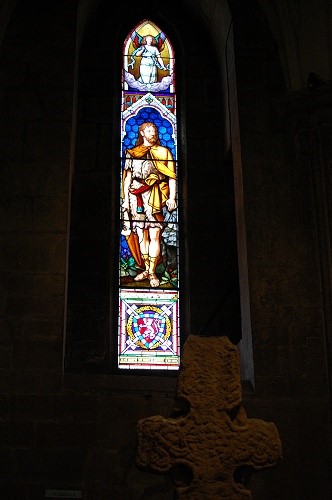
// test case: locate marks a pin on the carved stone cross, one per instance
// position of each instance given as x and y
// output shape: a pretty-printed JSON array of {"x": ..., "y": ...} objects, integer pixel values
[{"x": 211, "y": 447}]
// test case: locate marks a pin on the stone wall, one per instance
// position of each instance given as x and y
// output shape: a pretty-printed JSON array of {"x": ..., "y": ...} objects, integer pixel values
[
  {"x": 78, "y": 431},
  {"x": 288, "y": 320}
]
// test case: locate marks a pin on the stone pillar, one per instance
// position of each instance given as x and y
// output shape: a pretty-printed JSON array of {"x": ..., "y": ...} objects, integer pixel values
[{"x": 308, "y": 119}]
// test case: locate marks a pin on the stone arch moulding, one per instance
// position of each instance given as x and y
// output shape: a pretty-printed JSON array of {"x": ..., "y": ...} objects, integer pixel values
[{"x": 95, "y": 147}]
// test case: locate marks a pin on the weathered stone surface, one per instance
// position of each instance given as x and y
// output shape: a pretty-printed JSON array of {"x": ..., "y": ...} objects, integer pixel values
[{"x": 211, "y": 447}]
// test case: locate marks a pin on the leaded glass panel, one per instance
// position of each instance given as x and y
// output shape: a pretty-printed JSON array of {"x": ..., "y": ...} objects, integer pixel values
[{"x": 149, "y": 242}]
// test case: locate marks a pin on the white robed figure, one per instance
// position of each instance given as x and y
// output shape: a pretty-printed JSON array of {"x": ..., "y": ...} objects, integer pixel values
[{"x": 151, "y": 59}]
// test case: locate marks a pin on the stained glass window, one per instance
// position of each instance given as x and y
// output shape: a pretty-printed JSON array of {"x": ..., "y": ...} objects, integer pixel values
[{"x": 148, "y": 329}]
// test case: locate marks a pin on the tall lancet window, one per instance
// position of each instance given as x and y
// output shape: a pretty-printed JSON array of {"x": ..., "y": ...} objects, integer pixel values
[{"x": 148, "y": 329}]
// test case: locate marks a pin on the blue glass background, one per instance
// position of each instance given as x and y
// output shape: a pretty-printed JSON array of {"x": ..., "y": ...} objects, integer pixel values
[{"x": 165, "y": 129}]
